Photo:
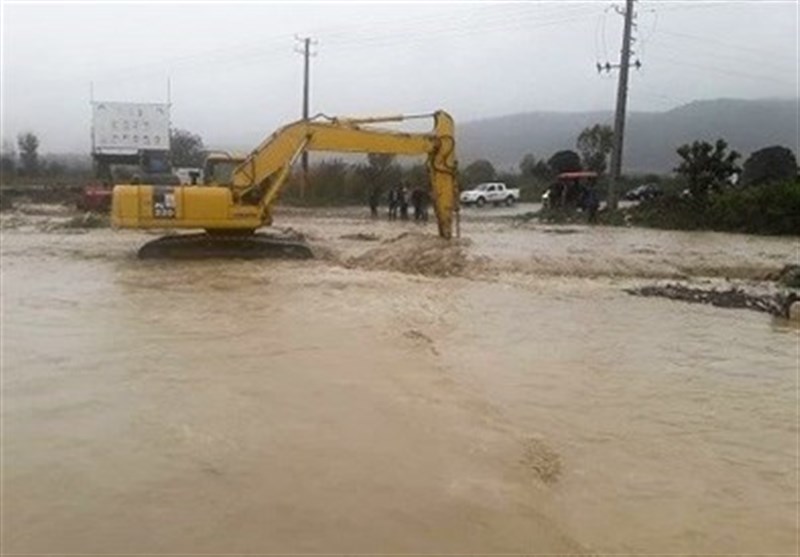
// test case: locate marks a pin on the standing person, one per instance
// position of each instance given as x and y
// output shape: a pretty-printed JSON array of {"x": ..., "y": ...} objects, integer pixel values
[
  {"x": 592, "y": 202},
  {"x": 554, "y": 199},
  {"x": 394, "y": 202},
  {"x": 403, "y": 202},
  {"x": 424, "y": 201},
  {"x": 416, "y": 201},
  {"x": 374, "y": 202}
]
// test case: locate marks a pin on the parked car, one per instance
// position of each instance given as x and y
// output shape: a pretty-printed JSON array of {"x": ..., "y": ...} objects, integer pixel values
[
  {"x": 490, "y": 192},
  {"x": 643, "y": 192}
]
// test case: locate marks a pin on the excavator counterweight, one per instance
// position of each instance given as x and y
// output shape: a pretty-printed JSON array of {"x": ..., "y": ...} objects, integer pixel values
[{"x": 239, "y": 193}]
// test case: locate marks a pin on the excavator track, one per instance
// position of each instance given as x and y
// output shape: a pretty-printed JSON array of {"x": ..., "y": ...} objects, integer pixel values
[{"x": 213, "y": 246}]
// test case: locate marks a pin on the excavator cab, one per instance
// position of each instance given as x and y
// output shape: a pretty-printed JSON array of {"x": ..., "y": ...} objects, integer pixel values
[{"x": 219, "y": 167}]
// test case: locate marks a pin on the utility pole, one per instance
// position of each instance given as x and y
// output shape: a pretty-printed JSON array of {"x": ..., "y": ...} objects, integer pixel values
[
  {"x": 306, "y": 52},
  {"x": 622, "y": 98}
]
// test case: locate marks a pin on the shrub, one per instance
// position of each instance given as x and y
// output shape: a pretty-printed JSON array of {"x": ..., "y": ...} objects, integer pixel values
[
  {"x": 773, "y": 210},
  {"x": 769, "y": 209}
]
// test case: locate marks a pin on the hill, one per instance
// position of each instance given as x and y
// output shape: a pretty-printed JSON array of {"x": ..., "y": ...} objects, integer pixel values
[{"x": 651, "y": 137}]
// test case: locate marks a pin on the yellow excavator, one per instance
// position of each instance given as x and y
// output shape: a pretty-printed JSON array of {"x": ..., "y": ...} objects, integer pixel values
[{"x": 238, "y": 194}]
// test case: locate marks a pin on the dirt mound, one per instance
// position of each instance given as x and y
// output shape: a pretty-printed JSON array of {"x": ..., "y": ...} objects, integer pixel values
[{"x": 415, "y": 253}]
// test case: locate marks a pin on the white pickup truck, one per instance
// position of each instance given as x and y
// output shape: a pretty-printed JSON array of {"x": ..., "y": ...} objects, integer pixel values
[{"x": 490, "y": 192}]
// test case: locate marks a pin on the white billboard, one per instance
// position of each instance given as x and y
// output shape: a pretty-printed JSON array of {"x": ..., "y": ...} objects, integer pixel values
[{"x": 123, "y": 128}]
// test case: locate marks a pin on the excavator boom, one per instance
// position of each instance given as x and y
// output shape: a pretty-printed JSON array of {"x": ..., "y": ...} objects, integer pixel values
[{"x": 245, "y": 204}]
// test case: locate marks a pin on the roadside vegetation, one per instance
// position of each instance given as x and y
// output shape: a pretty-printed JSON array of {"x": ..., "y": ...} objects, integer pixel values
[
  {"x": 764, "y": 200},
  {"x": 708, "y": 190}
]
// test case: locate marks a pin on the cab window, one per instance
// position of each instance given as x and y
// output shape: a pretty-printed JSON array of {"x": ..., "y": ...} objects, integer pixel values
[{"x": 220, "y": 172}]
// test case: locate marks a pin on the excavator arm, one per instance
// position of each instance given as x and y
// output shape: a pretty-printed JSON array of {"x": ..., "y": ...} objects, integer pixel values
[{"x": 246, "y": 203}]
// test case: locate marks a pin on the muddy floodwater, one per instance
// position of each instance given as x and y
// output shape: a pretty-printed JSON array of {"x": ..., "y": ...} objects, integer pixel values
[{"x": 502, "y": 394}]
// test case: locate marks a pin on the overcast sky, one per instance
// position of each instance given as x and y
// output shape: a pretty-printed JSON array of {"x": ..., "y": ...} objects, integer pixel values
[{"x": 235, "y": 77}]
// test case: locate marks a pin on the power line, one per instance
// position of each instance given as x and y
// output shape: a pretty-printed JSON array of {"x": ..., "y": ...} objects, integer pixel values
[
  {"x": 657, "y": 93},
  {"x": 254, "y": 51},
  {"x": 350, "y": 31},
  {"x": 226, "y": 54},
  {"x": 601, "y": 30},
  {"x": 754, "y": 50},
  {"x": 691, "y": 5},
  {"x": 436, "y": 28},
  {"x": 644, "y": 40},
  {"x": 419, "y": 38},
  {"x": 436, "y": 25},
  {"x": 243, "y": 54},
  {"x": 238, "y": 50},
  {"x": 737, "y": 60},
  {"x": 747, "y": 75}
]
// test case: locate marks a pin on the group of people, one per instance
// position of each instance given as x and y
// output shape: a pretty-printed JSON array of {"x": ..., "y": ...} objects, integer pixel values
[
  {"x": 400, "y": 198},
  {"x": 574, "y": 194}
]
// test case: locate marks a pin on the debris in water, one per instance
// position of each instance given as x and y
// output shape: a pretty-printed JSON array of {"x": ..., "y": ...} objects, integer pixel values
[
  {"x": 361, "y": 236},
  {"x": 542, "y": 459},
  {"x": 561, "y": 230},
  {"x": 422, "y": 338},
  {"x": 776, "y": 303},
  {"x": 86, "y": 220},
  {"x": 789, "y": 276}
]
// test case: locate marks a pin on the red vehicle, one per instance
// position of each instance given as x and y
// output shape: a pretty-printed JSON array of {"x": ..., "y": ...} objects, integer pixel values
[
  {"x": 569, "y": 189},
  {"x": 96, "y": 197}
]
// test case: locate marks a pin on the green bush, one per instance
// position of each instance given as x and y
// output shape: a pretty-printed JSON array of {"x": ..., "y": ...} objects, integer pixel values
[
  {"x": 767, "y": 209},
  {"x": 669, "y": 211},
  {"x": 772, "y": 209}
]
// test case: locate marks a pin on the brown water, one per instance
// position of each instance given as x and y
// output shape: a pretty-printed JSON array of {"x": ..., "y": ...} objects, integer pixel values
[{"x": 514, "y": 400}]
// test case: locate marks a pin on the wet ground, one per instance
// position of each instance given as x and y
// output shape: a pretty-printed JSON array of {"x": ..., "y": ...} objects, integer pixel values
[{"x": 502, "y": 394}]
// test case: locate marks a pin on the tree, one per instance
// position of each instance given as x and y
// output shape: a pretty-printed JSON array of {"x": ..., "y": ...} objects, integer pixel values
[
  {"x": 478, "y": 171},
  {"x": 417, "y": 175},
  {"x": 28, "y": 153},
  {"x": 771, "y": 164},
  {"x": 53, "y": 168},
  {"x": 527, "y": 166},
  {"x": 531, "y": 169},
  {"x": 707, "y": 167},
  {"x": 186, "y": 148},
  {"x": 8, "y": 162},
  {"x": 329, "y": 177},
  {"x": 564, "y": 161},
  {"x": 595, "y": 144},
  {"x": 379, "y": 173},
  {"x": 380, "y": 162}
]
